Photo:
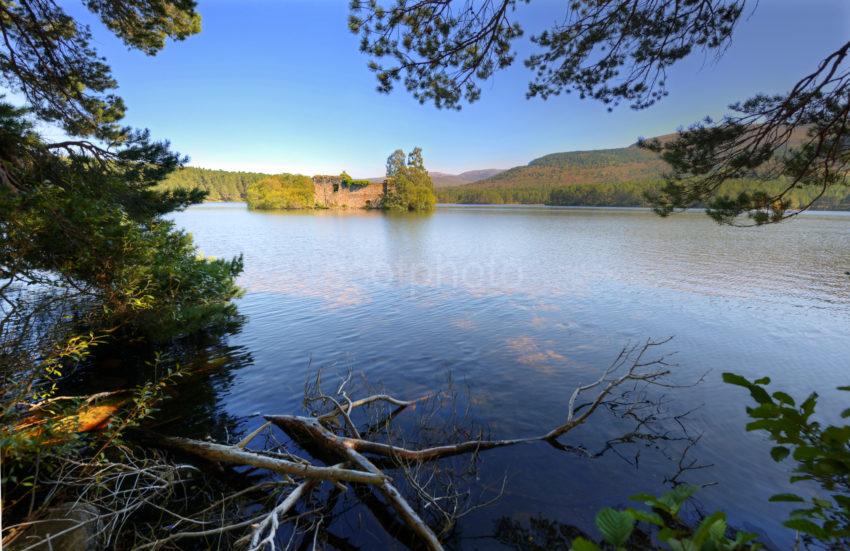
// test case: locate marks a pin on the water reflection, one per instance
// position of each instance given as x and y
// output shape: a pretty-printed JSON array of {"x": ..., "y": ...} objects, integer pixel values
[
  {"x": 523, "y": 305},
  {"x": 193, "y": 406}
]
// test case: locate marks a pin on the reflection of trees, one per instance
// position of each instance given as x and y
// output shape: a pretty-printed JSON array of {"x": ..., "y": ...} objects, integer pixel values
[
  {"x": 405, "y": 240},
  {"x": 191, "y": 408}
]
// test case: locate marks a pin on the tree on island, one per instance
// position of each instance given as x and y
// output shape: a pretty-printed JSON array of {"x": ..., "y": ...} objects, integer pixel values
[
  {"x": 410, "y": 187},
  {"x": 620, "y": 51}
]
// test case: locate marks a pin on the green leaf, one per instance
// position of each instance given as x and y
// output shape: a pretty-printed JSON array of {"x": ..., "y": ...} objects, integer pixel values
[
  {"x": 615, "y": 526},
  {"x": 808, "y": 406},
  {"x": 679, "y": 495},
  {"x": 822, "y": 503},
  {"x": 646, "y": 516},
  {"x": 581, "y": 544},
  {"x": 648, "y": 499},
  {"x": 704, "y": 530},
  {"x": 743, "y": 537},
  {"x": 805, "y": 453},
  {"x": 680, "y": 545},
  {"x": 760, "y": 395},
  {"x": 786, "y": 498},
  {"x": 783, "y": 397},
  {"x": 805, "y": 526},
  {"x": 735, "y": 379},
  {"x": 778, "y": 453},
  {"x": 843, "y": 501},
  {"x": 762, "y": 381},
  {"x": 761, "y": 424},
  {"x": 717, "y": 532}
]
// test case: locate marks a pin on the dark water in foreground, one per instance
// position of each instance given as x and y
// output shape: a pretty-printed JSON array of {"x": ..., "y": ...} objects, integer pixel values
[{"x": 523, "y": 304}]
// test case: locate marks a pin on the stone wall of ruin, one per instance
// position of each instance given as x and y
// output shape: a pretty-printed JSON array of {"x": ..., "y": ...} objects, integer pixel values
[{"x": 330, "y": 193}]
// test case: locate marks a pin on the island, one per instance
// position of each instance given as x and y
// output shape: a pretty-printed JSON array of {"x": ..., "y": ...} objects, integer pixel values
[{"x": 407, "y": 187}]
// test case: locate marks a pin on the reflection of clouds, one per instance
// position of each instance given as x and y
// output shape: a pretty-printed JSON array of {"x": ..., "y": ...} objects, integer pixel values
[
  {"x": 538, "y": 321},
  {"x": 545, "y": 255},
  {"x": 535, "y": 354},
  {"x": 464, "y": 323},
  {"x": 481, "y": 278}
]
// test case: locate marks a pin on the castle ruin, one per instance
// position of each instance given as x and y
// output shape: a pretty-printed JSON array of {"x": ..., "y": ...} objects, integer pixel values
[{"x": 332, "y": 193}]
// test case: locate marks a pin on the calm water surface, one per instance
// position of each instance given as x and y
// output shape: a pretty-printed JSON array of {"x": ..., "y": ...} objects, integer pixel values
[{"x": 522, "y": 304}]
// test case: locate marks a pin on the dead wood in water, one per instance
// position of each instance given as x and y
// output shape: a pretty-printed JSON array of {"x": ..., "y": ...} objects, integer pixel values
[
  {"x": 233, "y": 455},
  {"x": 415, "y": 487}
]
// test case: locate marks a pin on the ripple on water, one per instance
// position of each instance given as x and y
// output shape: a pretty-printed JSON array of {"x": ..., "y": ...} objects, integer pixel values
[{"x": 522, "y": 305}]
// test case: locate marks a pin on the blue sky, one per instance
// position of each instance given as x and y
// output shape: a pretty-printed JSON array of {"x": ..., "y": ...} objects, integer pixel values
[{"x": 279, "y": 86}]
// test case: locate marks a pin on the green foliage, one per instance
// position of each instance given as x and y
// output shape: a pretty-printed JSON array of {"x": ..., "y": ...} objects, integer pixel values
[
  {"x": 49, "y": 58},
  {"x": 712, "y": 533},
  {"x": 799, "y": 139},
  {"x": 219, "y": 185},
  {"x": 96, "y": 229},
  {"x": 410, "y": 187},
  {"x": 615, "y": 526},
  {"x": 145, "y": 24},
  {"x": 443, "y": 54},
  {"x": 87, "y": 256},
  {"x": 395, "y": 163},
  {"x": 351, "y": 183},
  {"x": 821, "y": 454},
  {"x": 415, "y": 160},
  {"x": 286, "y": 191}
]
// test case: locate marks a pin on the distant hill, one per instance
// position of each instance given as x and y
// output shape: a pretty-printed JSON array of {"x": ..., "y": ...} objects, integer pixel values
[
  {"x": 534, "y": 182},
  {"x": 603, "y": 177},
  {"x": 626, "y": 164},
  {"x": 444, "y": 179}
]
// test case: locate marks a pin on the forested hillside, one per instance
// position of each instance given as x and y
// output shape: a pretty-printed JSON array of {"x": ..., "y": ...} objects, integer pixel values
[
  {"x": 534, "y": 182},
  {"x": 442, "y": 179},
  {"x": 220, "y": 185},
  {"x": 606, "y": 177}
]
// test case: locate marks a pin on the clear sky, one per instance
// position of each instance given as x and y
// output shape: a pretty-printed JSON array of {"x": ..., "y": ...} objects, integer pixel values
[{"x": 280, "y": 86}]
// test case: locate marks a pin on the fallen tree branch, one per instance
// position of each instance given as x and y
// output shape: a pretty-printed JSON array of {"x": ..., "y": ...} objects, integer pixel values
[
  {"x": 236, "y": 456},
  {"x": 434, "y": 500},
  {"x": 311, "y": 430},
  {"x": 296, "y": 424},
  {"x": 269, "y": 525}
]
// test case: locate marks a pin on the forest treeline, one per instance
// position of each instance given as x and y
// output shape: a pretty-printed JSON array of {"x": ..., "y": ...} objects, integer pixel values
[
  {"x": 623, "y": 177},
  {"x": 624, "y": 194},
  {"x": 220, "y": 185}
]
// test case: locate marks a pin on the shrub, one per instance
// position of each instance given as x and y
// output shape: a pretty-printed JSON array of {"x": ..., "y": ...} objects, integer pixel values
[{"x": 286, "y": 191}]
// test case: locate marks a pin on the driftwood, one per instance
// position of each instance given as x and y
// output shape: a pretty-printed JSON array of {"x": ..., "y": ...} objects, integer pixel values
[
  {"x": 354, "y": 456},
  {"x": 311, "y": 430},
  {"x": 234, "y": 455}
]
